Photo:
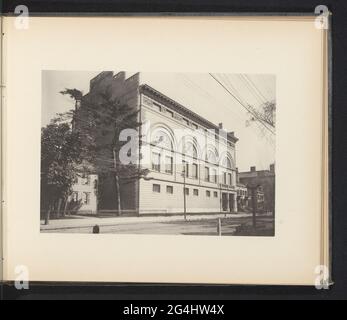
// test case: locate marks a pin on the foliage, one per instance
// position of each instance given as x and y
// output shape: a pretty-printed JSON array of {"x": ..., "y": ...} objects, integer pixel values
[
  {"x": 100, "y": 121},
  {"x": 61, "y": 151}
]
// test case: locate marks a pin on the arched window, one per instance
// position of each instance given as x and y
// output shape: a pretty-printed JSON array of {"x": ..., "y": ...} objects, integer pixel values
[
  {"x": 161, "y": 139},
  {"x": 227, "y": 163},
  {"x": 190, "y": 150},
  {"x": 211, "y": 157}
]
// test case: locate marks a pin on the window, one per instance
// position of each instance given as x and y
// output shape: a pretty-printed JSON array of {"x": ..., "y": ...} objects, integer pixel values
[
  {"x": 168, "y": 164},
  {"x": 169, "y": 189},
  {"x": 195, "y": 171},
  {"x": 186, "y": 191},
  {"x": 157, "y": 106},
  {"x": 215, "y": 194},
  {"x": 156, "y": 161},
  {"x": 190, "y": 150},
  {"x": 86, "y": 180},
  {"x": 86, "y": 198},
  {"x": 214, "y": 175},
  {"x": 230, "y": 179},
  {"x": 156, "y": 188},
  {"x": 75, "y": 196},
  {"x": 207, "y": 174},
  {"x": 225, "y": 178},
  {"x": 195, "y": 152},
  {"x": 185, "y": 168},
  {"x": 227, "y": 163},
  {"x": 161, "y": 139},
  {"x": 195, "y": 192},
  {"x": 208, "y": 193},
  {"x": 211, "y": 157}
]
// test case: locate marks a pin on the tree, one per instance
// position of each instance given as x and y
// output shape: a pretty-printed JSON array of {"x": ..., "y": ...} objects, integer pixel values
[
  {"x": 266, "y": 115},
  {"x": 101, "y": 121},
  {"x": 61, "y": 151}
]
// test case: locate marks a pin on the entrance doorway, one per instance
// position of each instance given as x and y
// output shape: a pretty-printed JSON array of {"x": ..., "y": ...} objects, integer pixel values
[
  {"x": 224, "y": 201},
  {"x": 231, "y": 202}
]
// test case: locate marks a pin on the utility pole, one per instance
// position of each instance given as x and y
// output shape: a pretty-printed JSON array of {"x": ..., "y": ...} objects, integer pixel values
[
  {"x": 220, "y": 196},
  {"x": 254, "y": 189}
]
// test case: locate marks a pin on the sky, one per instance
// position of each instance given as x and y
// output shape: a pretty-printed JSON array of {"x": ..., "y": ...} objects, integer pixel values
[{"x": 197, "y": 91}]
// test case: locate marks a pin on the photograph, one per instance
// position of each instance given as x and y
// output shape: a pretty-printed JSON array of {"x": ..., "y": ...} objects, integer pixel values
[
  {"x": 158, "y": 153},
  {"x": 182, "y": 153}
]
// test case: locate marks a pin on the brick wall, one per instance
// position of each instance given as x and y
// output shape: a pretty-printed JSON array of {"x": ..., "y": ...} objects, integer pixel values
[{"x": 125, "y": 90}]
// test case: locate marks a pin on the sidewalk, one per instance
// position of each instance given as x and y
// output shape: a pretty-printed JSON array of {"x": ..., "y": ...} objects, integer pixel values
[{"x": 82, "y": 221}]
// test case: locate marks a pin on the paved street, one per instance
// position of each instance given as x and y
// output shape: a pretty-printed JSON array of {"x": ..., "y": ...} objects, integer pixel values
[{"x": 199, "y": 225}]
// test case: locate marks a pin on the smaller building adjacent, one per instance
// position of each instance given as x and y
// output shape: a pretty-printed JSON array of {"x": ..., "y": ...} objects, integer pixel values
[
  {"x": 84, "y": 195},
  {"x": 242, "y": 197},
  {"x": 265, "y": 179}
]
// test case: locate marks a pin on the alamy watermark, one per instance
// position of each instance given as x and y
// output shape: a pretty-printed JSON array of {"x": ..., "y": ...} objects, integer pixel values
[
  {"x": 21, "y": 22},
  {"x": 22, "y": 277}
]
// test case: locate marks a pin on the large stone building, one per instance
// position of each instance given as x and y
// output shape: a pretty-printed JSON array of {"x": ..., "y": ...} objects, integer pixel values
[{"x": 191, "y": 161}]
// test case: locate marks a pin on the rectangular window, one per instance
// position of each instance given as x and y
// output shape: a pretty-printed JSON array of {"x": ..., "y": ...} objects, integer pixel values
[
  {"x": 207, "y": 174},
  {"x": 169, "y": 189},
  {"x": 215, "y": 194},
  {"x": 168, "y": 164},
  {"x": 230, "y": 179},
  {"x": 156, "y": 188},
  {"x": 186, "y": 191},
  {"x": 75, "y": 196},
  {"x": 185, "y": 168},
  {"x": 86, "y": 197},
  {"x": 157, "y": 106},
  {"x": 214, "y": 175},
  {"x": 225, "y": 178},
  {"x": 195, "y": 192},
  {"x": 170, "y": 113},
  {"x": 156, "y": 161},
  {"x": 195, "y": 171},
  {"x": 208, "y": 193},
  {"x": 85, "y": 180}
]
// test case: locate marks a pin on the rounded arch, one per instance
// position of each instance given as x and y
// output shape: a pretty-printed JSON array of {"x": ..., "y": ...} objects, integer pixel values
[
  {"x": 190, "y": 150},
  {"x": 163, "y": 137},
  {"x": 210, "y": 154},
  {"x": 190, "y": 147},
  {"x": 226, "y": 160}
]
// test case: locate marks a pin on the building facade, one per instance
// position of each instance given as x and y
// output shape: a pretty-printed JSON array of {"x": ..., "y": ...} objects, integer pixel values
[
  {"x": 84, "y": 195},
  {"x": 191, "y": 161},
  {"x": 242, "y": 197},
  {"x": 266, "y": 181}
]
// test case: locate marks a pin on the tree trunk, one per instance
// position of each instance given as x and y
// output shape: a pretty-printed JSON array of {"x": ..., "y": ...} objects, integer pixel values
[
  {"x": 118, "y": 195},
  {"x": 116, "y": 178},
  {"x": 59, "y": 207},
  {"x": 65, "y": 206},
  {"x": 254, "y": 204},
  {"x": 48, "y": 215}
]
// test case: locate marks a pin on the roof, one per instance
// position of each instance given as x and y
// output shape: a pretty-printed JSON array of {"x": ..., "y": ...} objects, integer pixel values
[{"x": 148, "y": 89}]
